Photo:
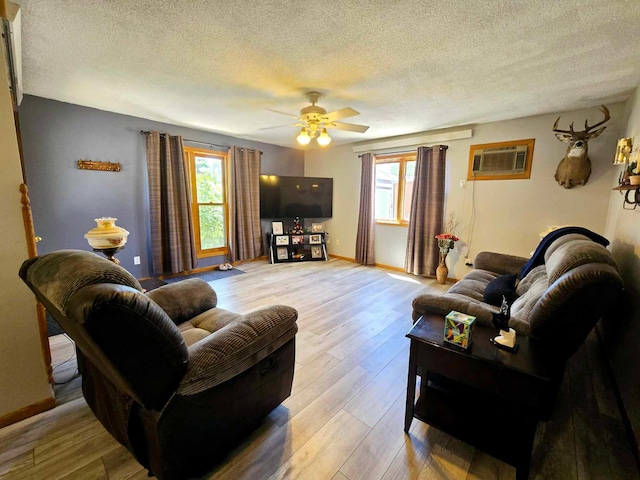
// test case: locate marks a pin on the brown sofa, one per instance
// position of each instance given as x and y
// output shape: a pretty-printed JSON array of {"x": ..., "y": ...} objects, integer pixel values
[
  {"x": 558, "y": 302},
  {"x": 173, "y": 378}
]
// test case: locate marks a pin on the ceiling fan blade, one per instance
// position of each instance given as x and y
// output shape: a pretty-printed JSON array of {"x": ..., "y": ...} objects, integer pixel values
[
  {"x": 282, "y": 113},
  {"x": 340, "y": 114},
  {"x": 351, "y": 127}
]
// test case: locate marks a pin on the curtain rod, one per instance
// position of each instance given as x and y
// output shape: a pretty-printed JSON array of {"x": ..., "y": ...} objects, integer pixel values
[
  {"x": 394, "y": 153},
  {"x": 405, "y": 151},
  {"x": 142, "y": 132}
]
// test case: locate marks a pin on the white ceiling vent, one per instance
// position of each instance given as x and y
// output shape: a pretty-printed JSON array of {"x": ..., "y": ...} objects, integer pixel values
[{"x": 506, "y": 160}]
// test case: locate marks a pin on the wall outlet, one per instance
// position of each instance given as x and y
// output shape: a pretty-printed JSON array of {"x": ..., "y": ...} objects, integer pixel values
[
  {"x": 337, "y": 242},
  {"x": 463, "y": 183},
  {"x": 136, "y": 260}
]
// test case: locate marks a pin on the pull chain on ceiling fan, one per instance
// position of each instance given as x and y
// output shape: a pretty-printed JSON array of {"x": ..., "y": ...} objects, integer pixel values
[{"x": 314, "y": 121}]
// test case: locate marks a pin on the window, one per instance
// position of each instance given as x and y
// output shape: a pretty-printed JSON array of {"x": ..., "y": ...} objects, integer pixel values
[
  {"x": 207, "y": 176},
  {"x": 394, "y": 188}
]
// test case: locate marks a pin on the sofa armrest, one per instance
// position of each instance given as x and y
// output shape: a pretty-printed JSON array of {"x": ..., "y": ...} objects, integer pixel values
[
  {"x": 499, "y": 263},
  {"x": 237, "y": 346},
  {"x": 443, "y": 304},
  {"x": 185, "y": 299}
]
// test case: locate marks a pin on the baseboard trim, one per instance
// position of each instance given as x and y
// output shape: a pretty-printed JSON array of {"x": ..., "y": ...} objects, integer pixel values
[
  {"x": 28, "y": 411},
  {"x": 348, "y": 259},
  {"x": 388, "y": 267}
]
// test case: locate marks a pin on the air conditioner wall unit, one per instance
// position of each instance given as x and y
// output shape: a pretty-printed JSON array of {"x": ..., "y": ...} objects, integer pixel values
[
  {"x": 12, "y": 44},
  {"x": 501, "y": 160},
  {"x": 508, "y": 160}
]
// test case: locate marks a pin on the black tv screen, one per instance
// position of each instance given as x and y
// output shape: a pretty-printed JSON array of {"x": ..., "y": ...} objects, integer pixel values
[{"x": 288, "y": 197}]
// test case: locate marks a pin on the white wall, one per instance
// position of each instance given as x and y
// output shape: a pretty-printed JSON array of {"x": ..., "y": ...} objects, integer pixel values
[
  {"x": 509, "y": 214},
  {"x": 623, "y": 337},
  {"x": 23, "y": 379}
]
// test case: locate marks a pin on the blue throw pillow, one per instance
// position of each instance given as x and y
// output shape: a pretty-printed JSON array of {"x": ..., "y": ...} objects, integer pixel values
[{"x": 499, "y": 286}]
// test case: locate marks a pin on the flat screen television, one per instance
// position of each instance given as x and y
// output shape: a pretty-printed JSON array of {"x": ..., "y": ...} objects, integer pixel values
[{"x": 288, "y": 197}]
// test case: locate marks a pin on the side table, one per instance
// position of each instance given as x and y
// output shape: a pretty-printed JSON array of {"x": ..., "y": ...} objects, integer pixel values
[{"x": 487, "y": 397}]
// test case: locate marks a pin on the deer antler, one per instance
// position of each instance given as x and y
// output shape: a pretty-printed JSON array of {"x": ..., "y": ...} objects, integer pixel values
[
  {"x": 604, "y": 110},
  {"x": 555, "y": 127}
]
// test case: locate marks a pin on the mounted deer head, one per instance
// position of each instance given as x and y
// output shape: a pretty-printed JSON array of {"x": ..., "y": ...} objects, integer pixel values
[{"x": 575, "y": 168}]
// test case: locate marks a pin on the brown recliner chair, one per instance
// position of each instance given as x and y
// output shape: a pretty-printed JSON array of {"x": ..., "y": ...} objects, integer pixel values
[{"x": 174, "y": 379}]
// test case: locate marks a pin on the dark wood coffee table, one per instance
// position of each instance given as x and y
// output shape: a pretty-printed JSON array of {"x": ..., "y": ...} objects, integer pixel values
[{"x": 487, "y": 397}]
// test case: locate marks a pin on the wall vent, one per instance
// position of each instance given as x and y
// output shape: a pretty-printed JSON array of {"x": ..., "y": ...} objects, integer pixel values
[{"x": 505, "y": 160}]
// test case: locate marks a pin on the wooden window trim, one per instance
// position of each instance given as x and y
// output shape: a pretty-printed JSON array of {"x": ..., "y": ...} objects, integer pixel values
[
  {"x": 190, "y": 154},
  {"x": 402, "y": 159}
]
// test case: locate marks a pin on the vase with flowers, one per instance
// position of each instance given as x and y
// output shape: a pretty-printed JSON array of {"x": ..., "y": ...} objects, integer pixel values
[{"x": 446, "y": 242}]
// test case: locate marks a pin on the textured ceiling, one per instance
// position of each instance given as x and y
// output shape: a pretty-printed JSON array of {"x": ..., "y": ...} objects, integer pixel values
[{"x": 406, "y": 66}]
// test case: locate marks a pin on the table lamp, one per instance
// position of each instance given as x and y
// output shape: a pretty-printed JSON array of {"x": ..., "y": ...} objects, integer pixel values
[{"x": 107, "y": 237}]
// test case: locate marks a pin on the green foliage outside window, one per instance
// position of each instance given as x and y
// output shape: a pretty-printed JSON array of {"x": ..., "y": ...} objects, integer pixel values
[{"x": 210, "y": 197}]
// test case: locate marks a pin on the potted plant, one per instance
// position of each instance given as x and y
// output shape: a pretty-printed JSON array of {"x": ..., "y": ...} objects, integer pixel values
[{"x": 634, "y": 173}]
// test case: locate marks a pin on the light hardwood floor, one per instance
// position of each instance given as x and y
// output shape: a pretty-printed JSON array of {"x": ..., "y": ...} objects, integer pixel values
[{"x": 344, "y": 419}]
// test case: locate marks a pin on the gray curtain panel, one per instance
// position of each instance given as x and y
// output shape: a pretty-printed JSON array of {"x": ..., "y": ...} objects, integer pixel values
[
  {"x": 245, "y": 234},
  {"x": 172, "y": 241},
  {"x": 427, "y": 211},
  {"x": 365, "y": 238}
]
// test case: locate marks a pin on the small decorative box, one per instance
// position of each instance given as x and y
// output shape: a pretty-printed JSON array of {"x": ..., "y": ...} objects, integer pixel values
[{"x": 458, "y": 328}]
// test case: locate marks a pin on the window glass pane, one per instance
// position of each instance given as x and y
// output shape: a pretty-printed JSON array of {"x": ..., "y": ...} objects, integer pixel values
[
  {"x": 408, "y": 189},
  {"x": 387, "y": 177},
  {"x": 212, "y": 233},
  {"x": 209, "y": 180}
]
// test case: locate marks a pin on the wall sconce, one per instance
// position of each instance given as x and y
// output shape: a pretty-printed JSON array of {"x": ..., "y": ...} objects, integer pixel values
[
  {"x": 629, "y": 181},
  {"x": 623, "y": 151}
]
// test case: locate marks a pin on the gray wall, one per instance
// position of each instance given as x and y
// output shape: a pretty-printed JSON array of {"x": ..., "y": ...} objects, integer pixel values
[
  {"x": 622, "y": 335},
  {"x": 65, "y": 200}
]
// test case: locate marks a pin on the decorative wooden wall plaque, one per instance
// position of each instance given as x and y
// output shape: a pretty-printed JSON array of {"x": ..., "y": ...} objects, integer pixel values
[{"x": 93, "y": 165}]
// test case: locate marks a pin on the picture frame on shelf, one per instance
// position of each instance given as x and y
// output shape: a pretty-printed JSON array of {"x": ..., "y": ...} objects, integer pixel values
[
  {"x": 282, "y": 239},
  {"x": 315, "y": 238},
  {"x": 297, "y": 239},
  {"x": 283, "y": 253},
  {"x": 317, "y": 227},
  {"x": 316, "y": 251},
  {"x": 277, "y": 228}
]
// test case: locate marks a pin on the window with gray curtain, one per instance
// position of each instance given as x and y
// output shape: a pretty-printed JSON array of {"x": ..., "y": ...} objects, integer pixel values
[
  {"x": 245, "y": 234},
  {"x": 365, "y": 238},
  {"x": 172, "y": 245},
  {"x": 427, "y": 211}
]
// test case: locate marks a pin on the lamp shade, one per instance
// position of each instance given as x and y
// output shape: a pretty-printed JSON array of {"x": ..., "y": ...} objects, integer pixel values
[
  {"x": 324, "y": 139},
  {"x": 303, "y": 137},
  {"x": 106, "y": 234}
]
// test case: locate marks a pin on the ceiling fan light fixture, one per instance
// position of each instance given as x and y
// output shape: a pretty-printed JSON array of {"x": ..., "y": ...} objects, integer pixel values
[
  {"x": 314, "y": 120},
  {"x": 324, "y": 139},
  {"x": 303, "y": 137}
]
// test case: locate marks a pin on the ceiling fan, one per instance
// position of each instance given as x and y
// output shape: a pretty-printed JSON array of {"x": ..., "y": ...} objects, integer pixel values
[{"x": 314, "y": 121}]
